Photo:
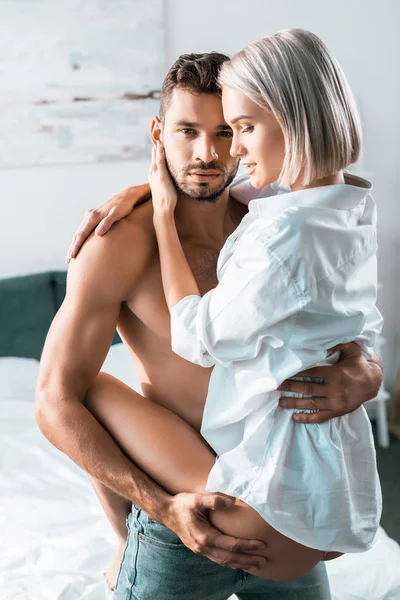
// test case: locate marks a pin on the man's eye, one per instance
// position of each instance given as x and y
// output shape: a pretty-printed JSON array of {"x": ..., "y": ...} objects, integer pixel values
[
  {"x": 227, "y": 134},
  {"x": 187, "y": 131}
]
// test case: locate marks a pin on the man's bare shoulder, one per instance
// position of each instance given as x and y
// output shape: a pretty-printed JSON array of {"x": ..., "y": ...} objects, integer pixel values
[
  {"x": 140, "y": 221},
  {"x": 116, "y": 260}
]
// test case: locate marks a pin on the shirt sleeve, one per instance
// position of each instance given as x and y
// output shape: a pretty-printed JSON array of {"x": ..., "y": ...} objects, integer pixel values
[{"x": 252, "y": 305}]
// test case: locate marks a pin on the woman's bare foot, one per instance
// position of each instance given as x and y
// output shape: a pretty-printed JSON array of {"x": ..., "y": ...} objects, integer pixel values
[{"x": 111, "y": 573}]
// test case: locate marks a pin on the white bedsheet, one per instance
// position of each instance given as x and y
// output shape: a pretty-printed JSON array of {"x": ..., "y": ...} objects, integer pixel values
[{"x": 54, "y": 539}]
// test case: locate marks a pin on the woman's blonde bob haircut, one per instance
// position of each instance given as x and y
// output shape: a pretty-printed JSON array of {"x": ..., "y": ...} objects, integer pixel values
[{"x": 293, "y": 74}]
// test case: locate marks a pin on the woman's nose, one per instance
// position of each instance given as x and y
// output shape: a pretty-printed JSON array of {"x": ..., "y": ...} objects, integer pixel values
[{"x": 237, "y": 150}]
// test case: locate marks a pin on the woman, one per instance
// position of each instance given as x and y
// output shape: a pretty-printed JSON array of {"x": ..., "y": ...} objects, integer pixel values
[{"x": 303, "y": 265}]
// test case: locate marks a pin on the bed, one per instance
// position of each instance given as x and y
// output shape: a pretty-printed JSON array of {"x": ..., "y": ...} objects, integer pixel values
[{"x": 54, "y": 539}]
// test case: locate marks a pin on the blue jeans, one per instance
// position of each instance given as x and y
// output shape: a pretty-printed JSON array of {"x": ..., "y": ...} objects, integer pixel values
[{"x": 157, "y": 566}]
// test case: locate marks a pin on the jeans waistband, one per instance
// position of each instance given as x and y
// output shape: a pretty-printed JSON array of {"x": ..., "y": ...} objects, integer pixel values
[{"x": 140, "y": 516}]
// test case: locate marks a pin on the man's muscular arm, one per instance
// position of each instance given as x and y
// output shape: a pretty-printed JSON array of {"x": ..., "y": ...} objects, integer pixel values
[{"x": 77, "y": 343}]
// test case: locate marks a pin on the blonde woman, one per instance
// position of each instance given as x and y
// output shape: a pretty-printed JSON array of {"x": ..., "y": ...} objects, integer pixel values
[{"x": 297, "y": 277}]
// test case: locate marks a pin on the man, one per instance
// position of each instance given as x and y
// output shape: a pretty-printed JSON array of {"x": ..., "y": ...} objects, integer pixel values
[{"x": 116, "y": 281}]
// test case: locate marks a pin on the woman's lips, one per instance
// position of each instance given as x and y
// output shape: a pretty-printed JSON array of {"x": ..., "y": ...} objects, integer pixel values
[{"x": 250, "y": 168}]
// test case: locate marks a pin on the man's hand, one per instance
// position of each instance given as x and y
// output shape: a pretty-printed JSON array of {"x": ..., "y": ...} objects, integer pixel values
[
  {"x": 187, "y": 517},
  {"x": 344, "y": 387},
  {"x": 103, "y": 217}
]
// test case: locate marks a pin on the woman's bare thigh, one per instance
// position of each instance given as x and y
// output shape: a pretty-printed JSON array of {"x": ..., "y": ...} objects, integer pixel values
[{"x": 178, "y": 458}]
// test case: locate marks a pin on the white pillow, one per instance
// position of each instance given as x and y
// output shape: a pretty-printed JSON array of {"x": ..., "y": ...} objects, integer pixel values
[
  {"x": 119, "y": 363},
  {"x": 18, "y": 378}
]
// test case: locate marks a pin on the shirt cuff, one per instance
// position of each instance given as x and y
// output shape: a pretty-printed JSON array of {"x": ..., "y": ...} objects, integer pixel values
[{"x": 186, "y": 341}]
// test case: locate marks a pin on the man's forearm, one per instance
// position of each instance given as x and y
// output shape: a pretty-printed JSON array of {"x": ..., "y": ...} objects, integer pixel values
[{"x": 71, "y": 428}]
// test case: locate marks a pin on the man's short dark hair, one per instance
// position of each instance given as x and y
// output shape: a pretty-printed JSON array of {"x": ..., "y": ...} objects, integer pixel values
[{"x": 196, "y": 73}]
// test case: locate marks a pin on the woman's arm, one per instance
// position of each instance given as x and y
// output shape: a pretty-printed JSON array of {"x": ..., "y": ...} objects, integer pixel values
[
  {"x": 177, "y": 277},
  {"x": 102, "y": 218},
  {"x": 343, "y": 388},
  {"x": 229, "y": 322}
]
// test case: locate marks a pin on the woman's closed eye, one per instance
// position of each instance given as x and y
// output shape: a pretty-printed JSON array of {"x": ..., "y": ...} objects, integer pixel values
[{"x": 248, "y": 129}]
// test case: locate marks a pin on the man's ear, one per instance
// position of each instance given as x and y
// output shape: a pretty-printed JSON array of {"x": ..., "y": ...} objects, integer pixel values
[{"x": 156, "y": 130}]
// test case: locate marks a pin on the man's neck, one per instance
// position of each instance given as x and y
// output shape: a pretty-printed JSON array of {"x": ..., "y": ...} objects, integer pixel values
[{"x": 205, "y": 223}]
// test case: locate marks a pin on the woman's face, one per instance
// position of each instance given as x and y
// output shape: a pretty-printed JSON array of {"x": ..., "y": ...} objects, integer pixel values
[{"x": 257, "y": 137}]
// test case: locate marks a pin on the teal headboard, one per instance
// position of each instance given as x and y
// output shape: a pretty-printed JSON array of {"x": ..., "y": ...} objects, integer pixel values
[{"x": 28, "y": 305}]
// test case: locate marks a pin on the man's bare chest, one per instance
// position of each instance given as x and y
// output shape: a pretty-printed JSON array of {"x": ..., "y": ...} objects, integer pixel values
[
  {"x": 203, "y": 264},
  {"x": 147, "y": 302}
]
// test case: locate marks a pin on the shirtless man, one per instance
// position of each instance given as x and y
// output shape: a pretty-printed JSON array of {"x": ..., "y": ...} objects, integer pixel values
[{"x": 115, "y": 282}]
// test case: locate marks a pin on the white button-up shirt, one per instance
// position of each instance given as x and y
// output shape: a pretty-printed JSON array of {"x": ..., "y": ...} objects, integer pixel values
[{"x": 297, "y": 277}]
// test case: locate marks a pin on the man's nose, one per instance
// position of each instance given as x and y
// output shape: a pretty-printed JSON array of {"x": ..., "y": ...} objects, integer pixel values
[{"x": 205, "y": 150}]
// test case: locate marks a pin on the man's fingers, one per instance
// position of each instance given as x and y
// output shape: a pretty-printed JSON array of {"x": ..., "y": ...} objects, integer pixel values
[
  {"x": 237, "y": 545},
  {"x": 319, "y": 417},
  {"x": 237, "y": 561},
  {"x": 229, "y": 551},
  {"x": 302, "y": 387},
  {"x": 349, "y": 350},
  {"x": 314, "y": 373},
  {"x": 213, "y": 501},
  {"x": 303, "y": 403},
  {"x": 212, "y": 537}
]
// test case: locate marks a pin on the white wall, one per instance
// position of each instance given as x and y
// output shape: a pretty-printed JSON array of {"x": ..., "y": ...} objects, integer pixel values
[{"x": 40, "y": 208}]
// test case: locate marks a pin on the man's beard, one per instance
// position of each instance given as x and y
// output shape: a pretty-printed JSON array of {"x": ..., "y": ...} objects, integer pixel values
[{"x": 202, "y": 191}]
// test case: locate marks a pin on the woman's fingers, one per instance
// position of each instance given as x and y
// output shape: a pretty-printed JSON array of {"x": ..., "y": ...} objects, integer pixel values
[
  {"x": 153, "y": 163},
  {"x": 160, "y": 159},
  {"x": 113, "y": 216},
  {"x": 91, "y": 220}
]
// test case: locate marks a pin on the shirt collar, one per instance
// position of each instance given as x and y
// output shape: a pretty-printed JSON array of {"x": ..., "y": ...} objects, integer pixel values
[{"x": 340, "y": 196}]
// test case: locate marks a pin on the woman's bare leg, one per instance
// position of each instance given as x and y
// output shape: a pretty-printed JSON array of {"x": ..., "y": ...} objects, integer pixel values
[
  {"x": 129, "y": 418},
  {"x": 117, "y": 510},
  {"x": 115, "y": 506},
  {"x": 176, "y": 456}
]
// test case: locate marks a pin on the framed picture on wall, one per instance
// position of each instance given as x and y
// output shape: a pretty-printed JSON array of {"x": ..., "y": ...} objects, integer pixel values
[{"x": 79, "y": 81}]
